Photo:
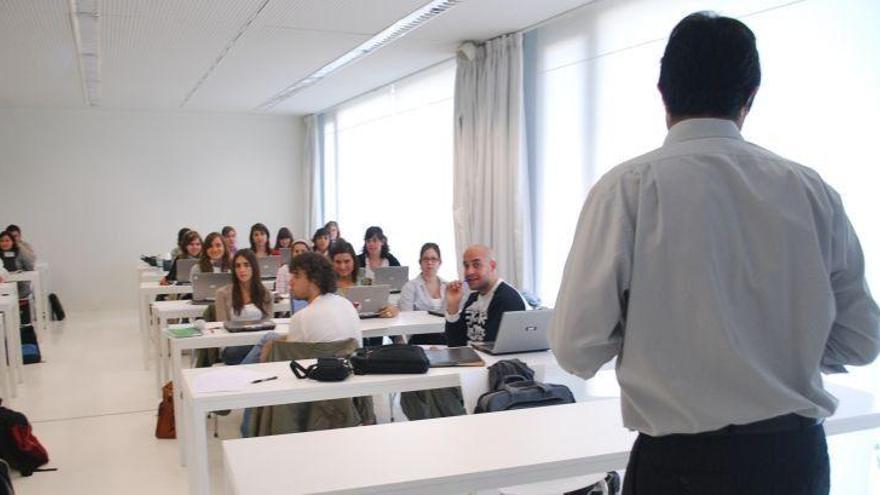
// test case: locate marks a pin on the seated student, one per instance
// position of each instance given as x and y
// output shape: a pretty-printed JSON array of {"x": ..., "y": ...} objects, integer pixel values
[
  {"x": 375, "y": 253},
  {"x": 14, "y": 261},
  {"x": 282, "y": 240},
  {"x": 321, "y": 242},
  {"x": 181, "y": 245},
  {"x": 191, "y": 248},
  {"x": 344, "y": 265},
  {"x": 26, "y": 250},
  {"x": 246, "y": 299},
  {"x": 215, "y": 256},
  {"x": 282, "y": 278},
  {"x": 333, "y": 232},
  {"x": 328, "y": 316},
  {"x": 229, "y": 235},
  {"x": 480, "y": 317},
  {"x": 260, "y": 241},
  {"x": 426, "y": 292}
]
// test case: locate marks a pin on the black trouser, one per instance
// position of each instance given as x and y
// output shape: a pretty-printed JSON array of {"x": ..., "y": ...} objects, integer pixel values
[{"x": 781, "y": 456}]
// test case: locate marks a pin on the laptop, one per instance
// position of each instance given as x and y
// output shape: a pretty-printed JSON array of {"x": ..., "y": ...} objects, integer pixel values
[
  {"x": 453, "y": 356},
  {"x": 205, "y": 286},
  {"x": 395, "y": 276},
  {"x": 520, "y": 331},
  {"x": 286, "y": 254},
  {"x": 269, "y": 266},
  {"x": 184, "y": 267},
  {"x": 248, "y": 326},
  {"x": 368, "y": 299}
]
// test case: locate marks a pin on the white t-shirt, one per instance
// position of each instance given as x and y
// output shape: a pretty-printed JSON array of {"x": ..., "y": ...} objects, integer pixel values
[{"x": 327, "y": 318}]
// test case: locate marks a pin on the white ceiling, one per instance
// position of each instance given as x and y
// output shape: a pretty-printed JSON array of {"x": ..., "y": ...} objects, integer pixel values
[{"x": 153, "y": 53}]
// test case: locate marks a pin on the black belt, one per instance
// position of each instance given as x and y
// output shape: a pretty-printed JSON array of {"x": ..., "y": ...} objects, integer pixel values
[{"x": 787, "y": 422}]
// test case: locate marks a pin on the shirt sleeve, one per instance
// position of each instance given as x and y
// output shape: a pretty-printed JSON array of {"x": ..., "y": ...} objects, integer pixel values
[
  {"x": 855, "y": 333},
  {"x": 588, "y": 320},
  {"x": 407, "y": 297}
]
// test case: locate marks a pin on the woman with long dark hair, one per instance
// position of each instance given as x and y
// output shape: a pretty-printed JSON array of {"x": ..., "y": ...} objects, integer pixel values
[
  {"x": 376, "y": 253},
  {"x": 284, "y": 239},
  {"x": 215, "y": 256},
  {"x": 246, "y": 299},
  {"x": 260, "y": 241},
  {"x": 191, "y": 247}
]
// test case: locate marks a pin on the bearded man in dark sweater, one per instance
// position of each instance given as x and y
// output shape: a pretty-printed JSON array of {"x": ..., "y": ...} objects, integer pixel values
[{"x": 490, "y": 298}]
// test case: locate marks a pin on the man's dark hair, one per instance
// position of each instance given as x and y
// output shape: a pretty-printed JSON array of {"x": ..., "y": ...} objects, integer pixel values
[
  {"x": 710, "y": 67},
  {"x": 316, "y": 267}
]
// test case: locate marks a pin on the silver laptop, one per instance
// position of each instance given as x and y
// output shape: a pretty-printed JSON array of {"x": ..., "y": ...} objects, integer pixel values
[
  {"x": 368, "y": 299},
  {"x": 395, "y": 276},
  {"x": 205, "y": 286},
  {"x": 184, "y": 267},
  {"x": 286, "y": 254},
  {"x": 269, "y": 266},
  {"x": 520, "y": 331}
]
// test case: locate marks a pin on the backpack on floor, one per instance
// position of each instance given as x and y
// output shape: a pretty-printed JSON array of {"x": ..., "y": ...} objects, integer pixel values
[
  {"x": 30, "y": 348},
  {"x": 57, "y": 309},
  {"x": 18, "y": 445}
]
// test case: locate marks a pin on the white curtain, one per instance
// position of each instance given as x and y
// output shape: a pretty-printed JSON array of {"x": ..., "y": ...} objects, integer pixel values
[
  {"x": 490, "y": 186},
  {"x": 311, "y": 177}
]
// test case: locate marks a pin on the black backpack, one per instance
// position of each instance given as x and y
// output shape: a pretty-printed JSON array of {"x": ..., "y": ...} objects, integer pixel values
[
  {"x": 18, "y": 445},
  {"x": 57, "y": 310},
  {"x": 516, "y": 392}
]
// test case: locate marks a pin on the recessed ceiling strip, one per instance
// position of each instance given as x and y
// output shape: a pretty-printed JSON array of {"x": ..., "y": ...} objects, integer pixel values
[{"x": 85, "y": 23}]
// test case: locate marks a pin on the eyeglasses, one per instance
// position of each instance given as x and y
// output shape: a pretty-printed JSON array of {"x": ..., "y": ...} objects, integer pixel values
[{"x": 430, "y": 260}]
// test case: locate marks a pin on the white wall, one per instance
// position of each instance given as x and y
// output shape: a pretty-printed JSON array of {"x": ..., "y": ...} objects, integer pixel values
[{"x": 92, "y": 190}]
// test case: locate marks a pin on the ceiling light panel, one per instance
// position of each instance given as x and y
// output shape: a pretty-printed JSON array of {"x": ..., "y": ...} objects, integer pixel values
[{"x": 37, "y": 55}]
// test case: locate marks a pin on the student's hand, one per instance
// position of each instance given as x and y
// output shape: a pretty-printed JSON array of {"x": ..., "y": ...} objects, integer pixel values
[
  {"x": 164, "y": 281},
  {"x": 454, "y": 293},
  {"x": 389, "y": 311}
]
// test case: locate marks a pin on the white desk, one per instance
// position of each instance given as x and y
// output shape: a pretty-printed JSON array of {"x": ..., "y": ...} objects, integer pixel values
[
  {"x": 147, "y": 292},
  {"x": 162, "y": 311},
  {"x": 479, "y": 451},
  {"x": 41, "y": 322},
  {"x": 9, "y": 326},
  {"x": 13, "y": 334},
  {"x": 287, "y": 389}
]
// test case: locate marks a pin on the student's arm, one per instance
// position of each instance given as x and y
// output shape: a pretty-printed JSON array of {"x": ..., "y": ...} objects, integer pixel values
[
  {"x": 456, "y": 324},
  {"x": 587, "y": 326},
  {"x": 223, "y": 304},
  {"x": 172, "y": 273},
  {"x": 25, "y": 263},
  {"x": 3, "y": 274},
  {"x": 407, "y": 297},
  {"x": 855, "y": 333}
]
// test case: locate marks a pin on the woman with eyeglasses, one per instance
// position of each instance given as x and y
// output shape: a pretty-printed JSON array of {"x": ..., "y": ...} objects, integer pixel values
[{"x": 426, "y": 292}]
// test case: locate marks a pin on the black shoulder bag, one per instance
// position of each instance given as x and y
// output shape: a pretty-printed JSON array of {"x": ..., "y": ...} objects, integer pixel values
[{"x": 327, "y": 369}]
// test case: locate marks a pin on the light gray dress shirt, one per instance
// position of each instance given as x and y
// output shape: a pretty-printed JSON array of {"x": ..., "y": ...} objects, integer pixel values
[{"x": 722, "y": 276}]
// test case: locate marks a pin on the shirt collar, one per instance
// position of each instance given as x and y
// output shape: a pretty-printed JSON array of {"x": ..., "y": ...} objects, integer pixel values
[{"x": 690, "y": 129}]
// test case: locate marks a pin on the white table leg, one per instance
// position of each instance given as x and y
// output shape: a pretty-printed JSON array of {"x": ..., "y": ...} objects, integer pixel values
[
  {"x": 39, "y": 302},
  {"x": 143, "y": 323},
  {"x": 9, "y": 385},
  {"x": 16, "y": 360},
  {"x": 179, "y": 423},
  {"x": 197, "y": 435}
]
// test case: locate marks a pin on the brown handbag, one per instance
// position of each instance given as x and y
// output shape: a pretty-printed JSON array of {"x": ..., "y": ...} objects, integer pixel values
[{"x": 165, "y": 422}]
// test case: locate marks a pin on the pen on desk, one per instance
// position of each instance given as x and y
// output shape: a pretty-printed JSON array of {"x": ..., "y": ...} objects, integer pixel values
[{"x": 265, "y": 379}]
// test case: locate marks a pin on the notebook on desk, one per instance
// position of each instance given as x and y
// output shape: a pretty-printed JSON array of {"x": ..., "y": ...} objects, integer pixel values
[
  {"x": 269, "y": 266},
  {"x": 394, "y": 276},
  {"x": 184, "y": 267},
  {"x": 205, "y": 286},
  {"x": 520, "y": 331},
  {"x": 368, "y": 299},
  {"x": 453, "y": 356}
]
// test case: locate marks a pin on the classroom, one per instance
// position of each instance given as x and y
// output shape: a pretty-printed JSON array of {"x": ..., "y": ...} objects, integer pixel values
[{"x": 664, "y": 209}]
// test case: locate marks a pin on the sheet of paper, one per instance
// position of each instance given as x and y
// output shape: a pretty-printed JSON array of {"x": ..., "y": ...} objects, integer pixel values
[{"x": 229, "y": 379}]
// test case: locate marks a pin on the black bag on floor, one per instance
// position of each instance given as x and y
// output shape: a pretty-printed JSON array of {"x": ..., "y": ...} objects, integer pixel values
[
  {"x": 30, "y": 349},
  {"x": 18, "y": 445},
  {"x": 389, "y": 359},
  {"x": 57, "y": 309}
]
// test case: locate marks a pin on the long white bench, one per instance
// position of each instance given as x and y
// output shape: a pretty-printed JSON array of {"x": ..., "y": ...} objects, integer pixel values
[{"x": 461, "y": 454}]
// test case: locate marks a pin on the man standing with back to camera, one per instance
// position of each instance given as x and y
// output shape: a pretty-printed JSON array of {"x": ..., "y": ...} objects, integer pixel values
[{"x": 725, "y": 279}]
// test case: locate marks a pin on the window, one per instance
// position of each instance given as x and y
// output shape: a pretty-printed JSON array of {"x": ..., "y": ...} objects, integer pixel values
[{"x": 388, "y": 162}]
